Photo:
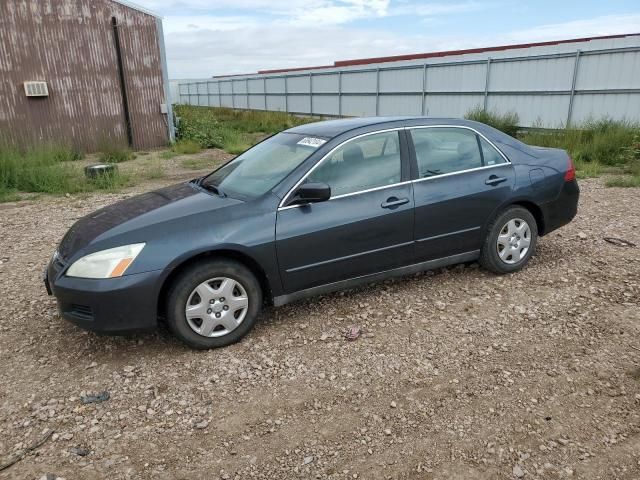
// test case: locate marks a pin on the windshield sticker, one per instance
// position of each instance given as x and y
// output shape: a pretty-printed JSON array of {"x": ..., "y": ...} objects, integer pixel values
[{"x": 312, "y": 142}]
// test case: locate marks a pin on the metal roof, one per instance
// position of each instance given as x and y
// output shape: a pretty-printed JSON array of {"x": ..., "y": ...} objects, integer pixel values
[{"x": 126, "y": 3}]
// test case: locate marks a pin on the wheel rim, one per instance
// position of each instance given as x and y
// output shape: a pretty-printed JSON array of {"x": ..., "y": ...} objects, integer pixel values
[
  {"x": 514, "y": 241},
  {"x": 216, "y": 307}
]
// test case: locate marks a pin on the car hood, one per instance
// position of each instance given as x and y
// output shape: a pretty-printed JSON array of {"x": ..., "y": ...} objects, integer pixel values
[{"x": 150, "y": 208}]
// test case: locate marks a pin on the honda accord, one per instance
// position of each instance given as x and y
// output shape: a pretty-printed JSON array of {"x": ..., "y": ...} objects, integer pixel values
[{"x": 313, "y": 209}]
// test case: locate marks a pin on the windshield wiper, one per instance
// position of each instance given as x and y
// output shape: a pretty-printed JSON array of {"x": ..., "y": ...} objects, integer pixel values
[{"x": 213, "y": 188}]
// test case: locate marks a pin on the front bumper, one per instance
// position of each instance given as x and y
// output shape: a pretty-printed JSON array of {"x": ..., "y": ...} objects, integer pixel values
[{"x": 112, "y": 305}]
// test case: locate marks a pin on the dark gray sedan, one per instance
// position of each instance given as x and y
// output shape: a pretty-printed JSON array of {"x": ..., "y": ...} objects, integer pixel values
[{"x": 316, "y": 208}]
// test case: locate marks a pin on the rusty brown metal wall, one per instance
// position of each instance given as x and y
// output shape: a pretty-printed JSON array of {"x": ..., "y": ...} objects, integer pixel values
[{"x": 70, "y": 45}]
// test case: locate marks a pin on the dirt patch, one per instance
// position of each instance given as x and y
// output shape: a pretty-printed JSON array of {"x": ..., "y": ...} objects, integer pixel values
[{"x": 457, "y": 374}]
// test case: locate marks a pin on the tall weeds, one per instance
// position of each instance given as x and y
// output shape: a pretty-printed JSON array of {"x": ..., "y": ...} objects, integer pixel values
[
  {"x": 229, "y": 129},
  {"x": 46, "y": 169}
]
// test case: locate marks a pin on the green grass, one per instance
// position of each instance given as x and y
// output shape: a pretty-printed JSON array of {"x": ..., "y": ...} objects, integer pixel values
[
  {"x": 597, "y": 147},
  {"x": 181, "y": 147},
  {"x": 114, "y": 153},
  {"x": 588, "y": 169},
  {"x": 626, "y": 181},
  {"x": 607, "y": 142},
  {"x": 231, "y": 130},
  {"x": 168, "y": 154},
  {"x": 48, "y": 169},
  {"x": 196, "y": 163},
  {"x": 186, "y": 147},
  {"x": 505, "y": 122},
  {"x": 155, "y": 171}
]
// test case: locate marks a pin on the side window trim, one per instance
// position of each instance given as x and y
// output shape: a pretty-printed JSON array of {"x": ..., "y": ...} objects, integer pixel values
[
  {"x": 415, "y": 174},
  {"x": 408, "y": 160},
  {"x": 481, "y": 150}
]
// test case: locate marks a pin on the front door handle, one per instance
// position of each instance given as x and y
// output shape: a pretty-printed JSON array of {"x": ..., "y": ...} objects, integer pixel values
[
  {"x": 394, "y": 202},
  {"x": 493, "y": 180}
]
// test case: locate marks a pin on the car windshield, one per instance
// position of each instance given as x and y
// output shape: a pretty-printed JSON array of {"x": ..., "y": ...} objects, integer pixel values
[{"x": 262, "y": 167}]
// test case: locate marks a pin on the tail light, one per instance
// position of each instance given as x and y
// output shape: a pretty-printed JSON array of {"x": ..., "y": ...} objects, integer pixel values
[{"x": 570, "y": 174}]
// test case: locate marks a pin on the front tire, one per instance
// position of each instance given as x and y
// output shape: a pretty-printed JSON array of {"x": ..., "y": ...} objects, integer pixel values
[
  {"x": 213, "y": 304},
  {"x": 510, "y": 242}
]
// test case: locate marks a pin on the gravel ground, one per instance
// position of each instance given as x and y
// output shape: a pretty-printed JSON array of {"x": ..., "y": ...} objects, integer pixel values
[{"x": 458, "y": 374}]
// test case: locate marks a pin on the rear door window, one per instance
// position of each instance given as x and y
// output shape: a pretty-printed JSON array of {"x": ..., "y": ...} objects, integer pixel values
[
  {"x": 442, "y": 150},
  {"x": 490, "y": 154}
]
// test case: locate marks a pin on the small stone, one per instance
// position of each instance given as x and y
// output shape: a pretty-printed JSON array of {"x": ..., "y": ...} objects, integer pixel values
[
  {"x": 440, "y": 305},
  {"x": 582, "y": 235},
  {"x": 394, "y": 404},
  {"x": 202, "y": 425},
  {"x": 81, "y": 452},
  {"x": 387, "y": 431},
  {"x": 307, "y": 460},
  {"x": 517, "y": 471},
  {"x": 519, "y": 309}
]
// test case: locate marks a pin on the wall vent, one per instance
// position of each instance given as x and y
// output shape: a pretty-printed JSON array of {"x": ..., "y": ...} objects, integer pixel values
[{"x": 36, "y": 89}]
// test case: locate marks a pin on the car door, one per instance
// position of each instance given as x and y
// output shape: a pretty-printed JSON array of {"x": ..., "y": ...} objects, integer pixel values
[
  {"x": 461, "y": 179},
  {"x": 365, "y": 227}
]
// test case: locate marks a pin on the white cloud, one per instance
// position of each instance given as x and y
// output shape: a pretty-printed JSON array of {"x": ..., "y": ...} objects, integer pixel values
[
  {"x": 335, "y": 13},
  {"x": 209, "y": 52},
  {"x": 606, "y": 25},
  {"x": 421, "y": 9},
  {"x": 297, "y": 33},
  {"x": 194, "y": 23}
]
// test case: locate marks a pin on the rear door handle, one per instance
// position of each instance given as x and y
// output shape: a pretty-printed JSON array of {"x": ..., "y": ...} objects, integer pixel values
[
  {"x": 493, "y": 180},
  {"x": 394, "y": 202}
]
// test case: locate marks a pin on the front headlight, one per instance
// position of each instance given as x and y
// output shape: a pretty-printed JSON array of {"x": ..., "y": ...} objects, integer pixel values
[{"x": 107, "y": 263}]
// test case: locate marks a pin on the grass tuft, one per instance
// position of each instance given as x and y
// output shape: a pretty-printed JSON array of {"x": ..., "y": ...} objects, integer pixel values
[
  {"x": 196, "y": 163},
  {"x": 505, "y": 122},
  {"x": 625, "y": 181},
  {"x": 114, "y": 153},
  {"x": 168, "y": 154},
  {"x": 186, "y": 147}
]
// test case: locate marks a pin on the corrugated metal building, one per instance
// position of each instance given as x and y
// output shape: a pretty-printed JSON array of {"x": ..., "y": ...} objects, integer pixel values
[
  {"x": 104, "y": 65},
  {"x": 548, "y": 84}
]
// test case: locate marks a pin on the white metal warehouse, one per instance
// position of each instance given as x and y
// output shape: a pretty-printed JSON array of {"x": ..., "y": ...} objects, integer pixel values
[{"x": 547, "y": 84}]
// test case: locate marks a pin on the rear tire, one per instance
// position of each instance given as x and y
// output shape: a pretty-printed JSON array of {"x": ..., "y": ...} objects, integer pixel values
[
  {"x": 510, "y": 242},
  {"x": 213, "y": 304}
]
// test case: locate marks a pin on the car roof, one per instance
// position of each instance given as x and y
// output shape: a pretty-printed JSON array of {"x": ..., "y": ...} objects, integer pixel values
[{"x": 333, "y": 128}]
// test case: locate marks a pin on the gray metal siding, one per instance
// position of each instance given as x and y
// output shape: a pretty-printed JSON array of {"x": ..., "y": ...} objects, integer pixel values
[{"x": 546, "y": 85}]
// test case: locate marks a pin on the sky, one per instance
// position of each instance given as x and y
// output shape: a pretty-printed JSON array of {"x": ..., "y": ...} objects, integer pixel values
[{"x": 209, "y": 37}]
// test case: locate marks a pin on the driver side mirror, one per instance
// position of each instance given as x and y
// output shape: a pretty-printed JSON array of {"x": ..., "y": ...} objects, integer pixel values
[{"x": 312, "y": 192}]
